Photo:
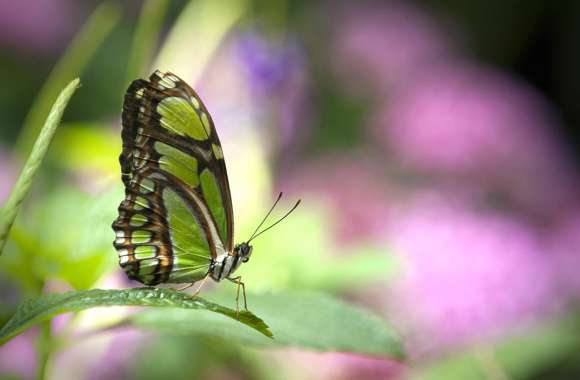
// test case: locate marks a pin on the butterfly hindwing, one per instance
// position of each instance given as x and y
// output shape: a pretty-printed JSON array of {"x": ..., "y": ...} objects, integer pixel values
[{"x": 177, "y": 213}]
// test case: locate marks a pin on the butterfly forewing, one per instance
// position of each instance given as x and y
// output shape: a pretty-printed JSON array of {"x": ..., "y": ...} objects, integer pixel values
[{"x": 177, "y": 212}]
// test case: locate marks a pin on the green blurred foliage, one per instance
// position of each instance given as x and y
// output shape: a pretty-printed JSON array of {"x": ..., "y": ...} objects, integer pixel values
[
  {"x": 88, "y": 147},
  {"x": 524, "y": 355},
  {"x": 199, "y": 358},
  {"x": 65, "y": 237},
  {"x": 314, "y": 261}
]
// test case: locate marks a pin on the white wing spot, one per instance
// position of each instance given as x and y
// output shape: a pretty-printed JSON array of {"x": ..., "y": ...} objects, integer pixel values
[
  {"x": 195, "y": 102},
  {"x": 217, "y": 151}
]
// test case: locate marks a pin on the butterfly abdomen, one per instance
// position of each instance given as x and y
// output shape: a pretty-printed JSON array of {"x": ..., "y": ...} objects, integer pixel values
[{"x": 223, "y": 266}]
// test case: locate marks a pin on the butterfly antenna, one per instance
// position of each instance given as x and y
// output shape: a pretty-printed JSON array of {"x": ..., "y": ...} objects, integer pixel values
[
  {"x": 278, "y": 221},
  {"x": 266, "y": 217}
]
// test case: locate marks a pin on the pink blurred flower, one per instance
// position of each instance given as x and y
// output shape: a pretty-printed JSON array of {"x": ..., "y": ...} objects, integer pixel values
[
  {"x": 337, "y": 366},
  {"x": 119, "y": 356},
  {"x": 354, "y": 189},
  {"x": 36, "y": 25},
  {"x": 467, "y": 121},
  {"x": 564, "y": 241},
  {"x": 387, "y": 44},
  {"x": 7, "y": 176},
  {"x": 18, "y": 356},
  {"x": 468, "y": 275},
  {"x": 355, "y": 367}
]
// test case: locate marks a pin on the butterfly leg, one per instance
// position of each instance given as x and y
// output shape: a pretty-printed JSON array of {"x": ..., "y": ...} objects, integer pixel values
[
  {"x": 200, "y": 286},
  {"x": 237, "y": 280},
  {"x": 185, "y": 287},
  {"x": 193, "y": 283}
]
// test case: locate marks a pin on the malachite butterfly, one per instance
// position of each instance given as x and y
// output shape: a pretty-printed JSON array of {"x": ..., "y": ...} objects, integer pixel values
[{"x": 175, "y": 224}]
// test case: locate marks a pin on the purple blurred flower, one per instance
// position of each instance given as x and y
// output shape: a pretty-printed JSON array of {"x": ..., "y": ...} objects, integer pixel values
[
  {"x": 36, "y": 25},
  {"x": 276, "y": 74},
  {"x": 462, "y": 120},
  {"x": 354, "y": 190},
  {"x": 18, "y": 356},
  {"x": 387, "y": 44},
  {"x": 269, "y": 65},
  {"x": 468, "y": 275}
]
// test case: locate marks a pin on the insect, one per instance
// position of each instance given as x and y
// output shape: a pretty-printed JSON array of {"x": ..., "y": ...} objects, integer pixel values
[{"x": 175, "y": 224}]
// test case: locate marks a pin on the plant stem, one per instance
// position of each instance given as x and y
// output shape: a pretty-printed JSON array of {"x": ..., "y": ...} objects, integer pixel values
[
  {"x": 44, "y": 349},
  {"x": 145, "y": 38}
]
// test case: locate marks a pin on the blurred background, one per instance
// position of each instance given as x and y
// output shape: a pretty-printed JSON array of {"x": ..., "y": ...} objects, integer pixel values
[{"x": 434, "y": 144}]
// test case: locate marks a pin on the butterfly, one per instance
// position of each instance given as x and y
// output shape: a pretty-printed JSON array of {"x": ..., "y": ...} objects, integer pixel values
[{"x": 175, "y": 224}]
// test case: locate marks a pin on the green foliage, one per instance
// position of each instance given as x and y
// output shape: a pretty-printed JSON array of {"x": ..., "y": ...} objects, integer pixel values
[
  {"x": 70, "y": 65},
  {"x": 67, "y": 236},
  {"x": 316, "y": 262},
  {"x": 88, "y": 147},
  {"x": 22, "y": 186},
  {"x": 47, "y": 306},
  {"x": 300, "y": 319},
  {"x": 145, "y": 38},
  {"x": 186, "y": 357}
]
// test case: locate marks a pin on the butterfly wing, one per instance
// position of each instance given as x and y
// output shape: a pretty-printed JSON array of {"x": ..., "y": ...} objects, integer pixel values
[{"x": 177, "y": 212}]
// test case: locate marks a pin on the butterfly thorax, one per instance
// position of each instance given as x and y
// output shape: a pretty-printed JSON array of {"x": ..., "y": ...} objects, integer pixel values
[{"x": 226, "y": 264}]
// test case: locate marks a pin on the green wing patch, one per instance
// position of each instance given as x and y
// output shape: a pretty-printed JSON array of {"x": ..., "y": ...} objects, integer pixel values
[
  {"x": 179, "y": 117},
  {"x": 210, "y": 189}
]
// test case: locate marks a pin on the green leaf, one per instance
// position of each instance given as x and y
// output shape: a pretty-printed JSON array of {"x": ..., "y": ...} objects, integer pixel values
[
  {"x": 10, "y": 209},
  {"x": 45, "y": 307},
  {"x": 302, "y": 319},
  {"x": 71, "y": 64}
]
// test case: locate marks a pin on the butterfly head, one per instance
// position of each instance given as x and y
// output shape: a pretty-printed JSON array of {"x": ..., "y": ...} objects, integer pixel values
[{"x": 244, "y": 251}]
